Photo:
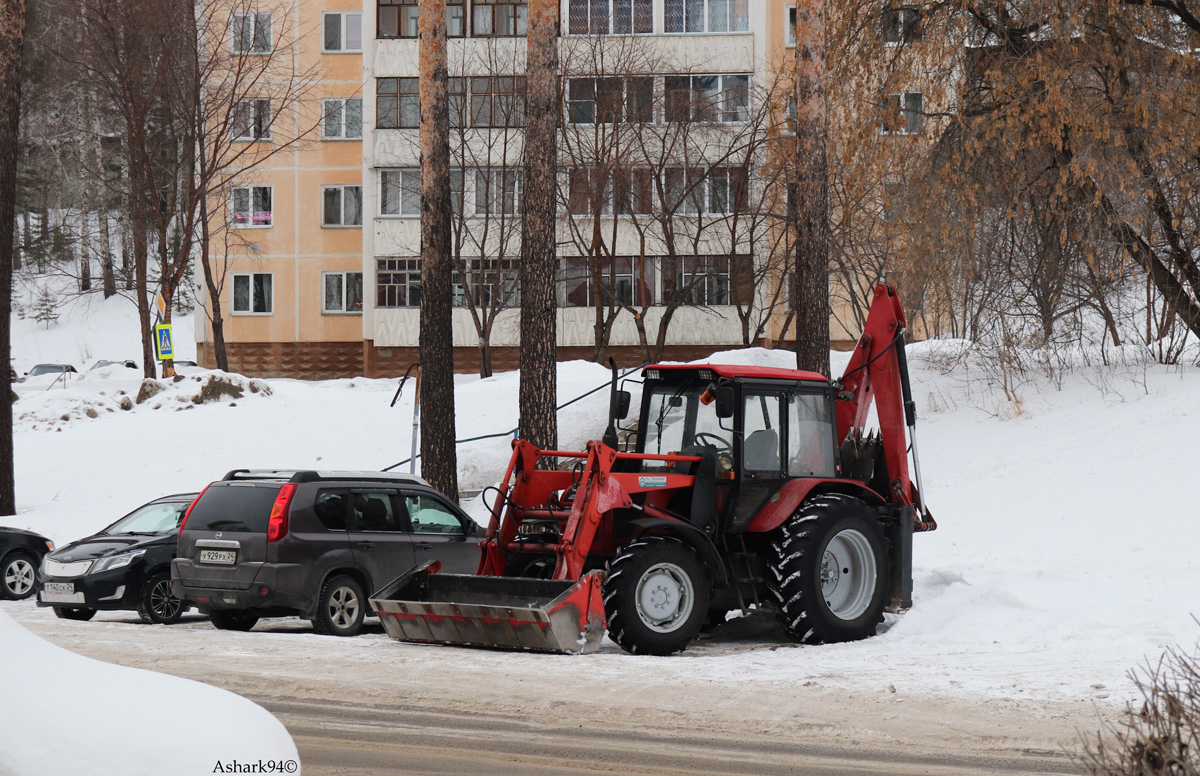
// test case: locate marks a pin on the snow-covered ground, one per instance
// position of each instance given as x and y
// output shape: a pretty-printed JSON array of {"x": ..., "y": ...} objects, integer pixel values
[
  {"x": 1066, "y": 553},
  {"x": 74, "y": 715}
]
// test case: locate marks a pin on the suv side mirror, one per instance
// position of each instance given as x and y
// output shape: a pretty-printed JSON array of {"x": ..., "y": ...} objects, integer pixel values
[
  {"x": 621, "y": 411},
  {"x": 725, "y": 401}
]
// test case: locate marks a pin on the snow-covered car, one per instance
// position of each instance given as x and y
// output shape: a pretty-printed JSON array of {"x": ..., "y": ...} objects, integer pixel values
[
  {"x": 127, "y": 363},
  {"x": 313, "y": 544},
  {"x": 125, "y": 566},
  {"x": 20, "y": 553},
  {"x": 50, "y": 369}
]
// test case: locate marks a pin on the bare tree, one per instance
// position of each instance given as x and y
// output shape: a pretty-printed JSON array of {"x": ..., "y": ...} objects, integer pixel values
[
  {"x": 438, "y": 457},
  {"x": 12, "y": 43},
  {"x": 539, "y": 315}
]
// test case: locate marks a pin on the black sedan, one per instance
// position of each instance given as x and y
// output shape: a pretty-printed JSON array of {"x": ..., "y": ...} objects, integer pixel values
[
  {"x": 20, "y": 554},
  {"x": 125, "y": 566}
]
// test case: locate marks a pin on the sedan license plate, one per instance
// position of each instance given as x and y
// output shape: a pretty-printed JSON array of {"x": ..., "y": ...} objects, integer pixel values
[
  {"x": 59, "y": 588},
  {"x": 219, "y": 557}
]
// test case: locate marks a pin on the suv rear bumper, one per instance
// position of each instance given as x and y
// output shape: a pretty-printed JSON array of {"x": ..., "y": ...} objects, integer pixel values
[{"x": 262, "y": 593}]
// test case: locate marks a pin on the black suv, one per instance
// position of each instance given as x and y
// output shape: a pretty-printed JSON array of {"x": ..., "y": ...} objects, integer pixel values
[
  {"x": 313, "y": 544},
  {"x": 20, "y": 553},
  {"x": 125, "y": 566}
]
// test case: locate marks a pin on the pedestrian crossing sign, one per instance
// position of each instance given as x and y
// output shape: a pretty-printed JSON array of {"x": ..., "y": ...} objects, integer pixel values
[{"x": 164, "y": 348}]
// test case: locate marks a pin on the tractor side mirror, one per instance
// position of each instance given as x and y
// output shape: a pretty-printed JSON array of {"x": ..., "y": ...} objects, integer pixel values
[
  {"x": 621, "y": 410},
  {"x": 725, "y": 401}
]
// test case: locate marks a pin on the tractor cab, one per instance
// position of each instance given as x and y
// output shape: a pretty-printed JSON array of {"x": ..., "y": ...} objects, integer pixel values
[{"x": 763, "y": 426}]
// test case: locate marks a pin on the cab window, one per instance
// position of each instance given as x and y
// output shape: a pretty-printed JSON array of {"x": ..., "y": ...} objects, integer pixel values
[
  {"x": 763, "y": 438},
  {"x": 427, "y": 515},
  {"x": 810, "y": 436}
]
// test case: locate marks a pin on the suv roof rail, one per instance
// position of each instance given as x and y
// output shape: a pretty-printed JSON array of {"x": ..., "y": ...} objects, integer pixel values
[{"x": 310, "y": 475}]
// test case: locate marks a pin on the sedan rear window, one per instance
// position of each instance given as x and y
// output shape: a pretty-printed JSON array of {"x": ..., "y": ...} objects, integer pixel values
[{"x": 233, "y": 508}]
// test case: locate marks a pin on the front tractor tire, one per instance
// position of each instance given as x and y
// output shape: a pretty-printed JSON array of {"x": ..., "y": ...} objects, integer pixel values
[
  {"x": 656, "y": 597},
  {"x": 829, "y": 571}
]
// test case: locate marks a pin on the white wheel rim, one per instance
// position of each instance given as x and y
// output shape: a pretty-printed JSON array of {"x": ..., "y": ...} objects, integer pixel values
[
  {"x": 664, "y": 597},
  {"x": 18, "y": 577},
  {"x": 343, "y": 607},
  {"x": 848, "y": 574}
]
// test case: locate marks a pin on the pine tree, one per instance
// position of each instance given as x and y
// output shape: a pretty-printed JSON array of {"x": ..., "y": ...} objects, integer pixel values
[{"x": 45, "y": 308}]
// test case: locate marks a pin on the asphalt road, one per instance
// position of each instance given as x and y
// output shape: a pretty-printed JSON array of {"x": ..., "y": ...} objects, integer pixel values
[{"x": 345, "y": 739}]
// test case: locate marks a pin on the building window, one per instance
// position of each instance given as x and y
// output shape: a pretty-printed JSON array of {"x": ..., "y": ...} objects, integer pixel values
[
  {"x": 698, "y": 281},
  {"x": 400, "y": 192},
  {"x": 251, "y": 120},
  {"x": 498, "y": 18},
  {"x": 616, "y": 17},
  {"x": 706, "y": 15},
  {"x": 498, "y": 191},
  {"x": 494, "y": 284},
  {"x": 343, "y": 32},
  {"x": 790, "y": 42},
  {"x": 343, "y": 119},
  {"x": 341, "y": 206},
  {"x": 610, "y": 100},
  {"x": 397, "y": 282},
  {"x": 343, "y": 292},
  {"x": 398, "y": 19},
  {"x": 498, "y": 101},
  {"x": 251, "y": 33},
  {"x": 902, "y": 114},
  {"x": 251, "y": 206},
  {"x": 397, "y": 103},
  {"x": 901, "y": 25},
  {"x": 724, "y": 98},
  {"x": 614, "y": 281},
  {"x": 718, "y": 191},
  {"x": 252, "y": 293}
]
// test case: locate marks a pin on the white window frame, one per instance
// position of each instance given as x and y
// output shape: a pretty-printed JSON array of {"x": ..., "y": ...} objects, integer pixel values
[
  {"x": 723, "y": 89},
  {"x": 342, "y": 32},
  {"x": 400, "y": 211},
  {"x": 900, "y": 27},
  {"x": 252, "y": 106},
  {"x": 233, "y": 294},
  {"x": 250, "y": 187},
  {"x": 343, "y": 273},
  {"x": 341, "y": 189},
  {"x": 789, "y": 26},
  {"x": 903, "y": 129},
  {"x": 235, "y": 28},
  {"x": 341, "y": 110},
  {"x": 568, "y": 18},
  {"x": 707, "y": 18}
]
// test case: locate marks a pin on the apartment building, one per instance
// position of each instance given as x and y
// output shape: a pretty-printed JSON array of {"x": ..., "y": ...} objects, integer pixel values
[
  {"x": 666, "y": 234},
  {"x": 287, "y": 232}
]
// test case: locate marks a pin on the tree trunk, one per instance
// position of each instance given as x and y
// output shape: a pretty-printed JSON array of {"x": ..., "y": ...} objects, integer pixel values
[
  {"x": 85, "y": 251},
  {"x": 12, "y": 44},
  {"x": 812, "y": 193},
  {"x": 106, "y": 257},
  {"x": 214, "y": 290},
  {"x": 539, "y": 315},
  {"x": 439, "y": 460},
  {"x": 141, "y": 249}
]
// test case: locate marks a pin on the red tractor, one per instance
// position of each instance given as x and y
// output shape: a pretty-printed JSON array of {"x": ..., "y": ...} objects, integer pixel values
[{"x": 746, "y": 486}]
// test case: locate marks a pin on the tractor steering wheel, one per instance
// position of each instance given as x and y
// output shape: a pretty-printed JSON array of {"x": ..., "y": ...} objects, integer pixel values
[{"x": 722, "y": 445}]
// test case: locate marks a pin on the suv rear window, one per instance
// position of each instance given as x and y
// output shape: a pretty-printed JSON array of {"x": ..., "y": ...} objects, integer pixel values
[{"x": 234, "y": 508}]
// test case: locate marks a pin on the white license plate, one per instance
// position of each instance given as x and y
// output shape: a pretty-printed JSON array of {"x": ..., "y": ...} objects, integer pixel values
[
  {"x": 59, "y": 588},
  {"x": 221, "y": 557}
]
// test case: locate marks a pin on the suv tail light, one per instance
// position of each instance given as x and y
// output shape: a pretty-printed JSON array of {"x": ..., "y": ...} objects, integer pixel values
[
  {"x": 277, "y": 528},
  {"x": 192, "y": 506}
]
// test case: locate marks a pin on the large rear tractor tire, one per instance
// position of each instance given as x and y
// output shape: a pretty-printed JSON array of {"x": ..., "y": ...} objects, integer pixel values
[
  {"x": 656, "y": 597},
  {"x": 829, "y": 571}
]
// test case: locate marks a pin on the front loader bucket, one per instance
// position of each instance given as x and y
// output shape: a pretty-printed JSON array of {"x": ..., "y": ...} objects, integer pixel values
[{"x": 504, "y": 612}]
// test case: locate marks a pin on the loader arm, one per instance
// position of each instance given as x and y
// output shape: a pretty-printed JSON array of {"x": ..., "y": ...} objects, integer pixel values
[{"x": 878, "y": 372}]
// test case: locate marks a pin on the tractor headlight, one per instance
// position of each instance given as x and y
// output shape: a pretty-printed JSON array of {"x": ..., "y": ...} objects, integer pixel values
[
  {"x": 726, "y": 463},
  {"x": 652, "y": 374}
]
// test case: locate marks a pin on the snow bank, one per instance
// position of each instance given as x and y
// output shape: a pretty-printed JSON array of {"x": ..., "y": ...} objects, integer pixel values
[{"x": 73, "y": 715}]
